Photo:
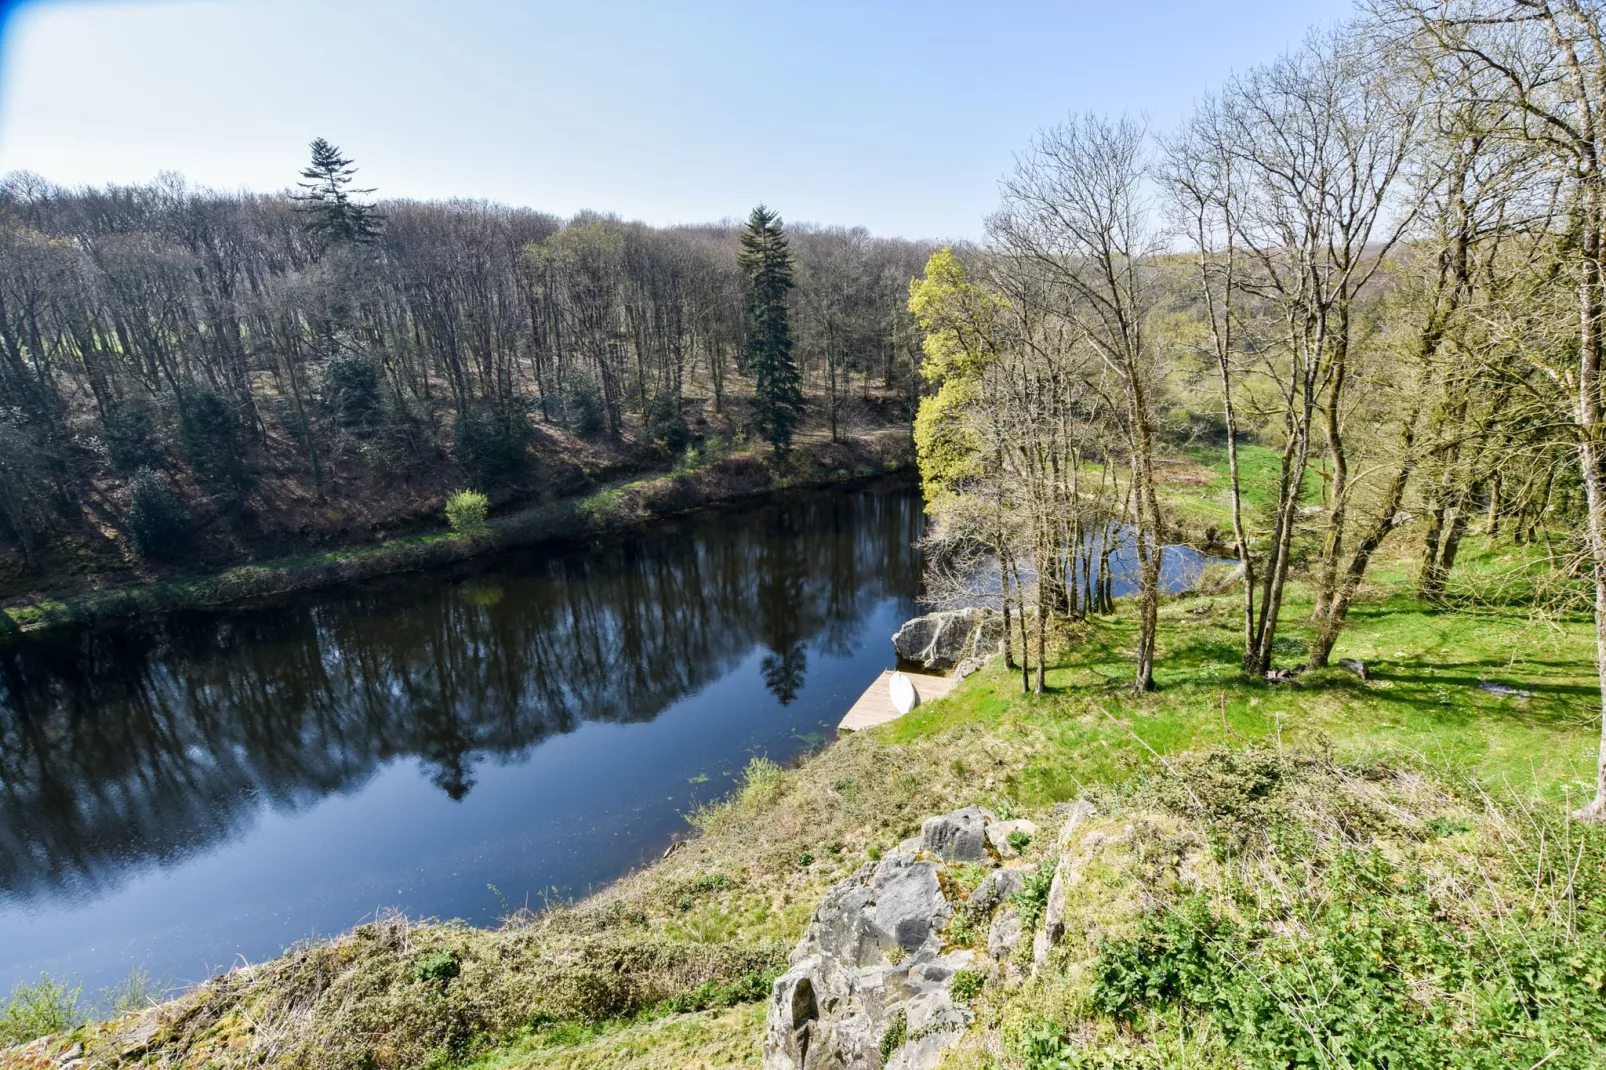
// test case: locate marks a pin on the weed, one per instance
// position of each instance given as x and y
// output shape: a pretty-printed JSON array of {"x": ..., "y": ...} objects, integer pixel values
[
  {"x": 966, "y": 985},
  {"x": 40, "y": 1009}
]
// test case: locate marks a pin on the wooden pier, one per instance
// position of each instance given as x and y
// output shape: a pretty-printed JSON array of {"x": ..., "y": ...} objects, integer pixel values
[{"x": 875, "y": 705}]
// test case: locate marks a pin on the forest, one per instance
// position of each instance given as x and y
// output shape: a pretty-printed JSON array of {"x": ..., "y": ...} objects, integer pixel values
[{"x": 190, "y": 376}]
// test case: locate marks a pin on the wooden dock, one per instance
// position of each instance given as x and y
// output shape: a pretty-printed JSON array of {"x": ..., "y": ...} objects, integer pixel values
[{"x": 875, "y": 705}]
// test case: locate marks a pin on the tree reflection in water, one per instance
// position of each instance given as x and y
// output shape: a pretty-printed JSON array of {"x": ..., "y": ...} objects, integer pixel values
[{"x": 128, "y": 746}]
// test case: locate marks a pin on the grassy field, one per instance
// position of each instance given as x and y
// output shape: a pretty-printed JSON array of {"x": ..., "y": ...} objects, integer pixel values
[{"x": 1366, "y": 800}]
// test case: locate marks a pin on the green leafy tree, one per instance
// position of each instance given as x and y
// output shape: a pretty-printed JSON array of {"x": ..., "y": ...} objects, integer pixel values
[
  {"x": 766, "y": 266},
  {"x": 333, "y": 216}
]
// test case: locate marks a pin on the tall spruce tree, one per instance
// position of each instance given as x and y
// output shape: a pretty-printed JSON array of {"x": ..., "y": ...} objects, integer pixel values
[
  {"x": 777, "y": 389},
  {"x": 332, "y": 215}
]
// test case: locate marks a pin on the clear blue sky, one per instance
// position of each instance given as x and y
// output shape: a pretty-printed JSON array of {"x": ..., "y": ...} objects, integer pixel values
[{"x": 898, "y": 116}]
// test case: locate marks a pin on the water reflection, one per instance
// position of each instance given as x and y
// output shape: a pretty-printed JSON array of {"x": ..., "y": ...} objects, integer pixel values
[{"x": 128, "y": 747}]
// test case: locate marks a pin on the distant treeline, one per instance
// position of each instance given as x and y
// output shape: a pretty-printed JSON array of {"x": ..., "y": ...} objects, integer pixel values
[{"x": 163, "y": 346}]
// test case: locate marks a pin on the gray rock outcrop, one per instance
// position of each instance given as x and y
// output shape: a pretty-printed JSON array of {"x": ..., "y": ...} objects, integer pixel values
[
  {"x": 871, "y": 975},
  {"x": 943, "y": 640}
]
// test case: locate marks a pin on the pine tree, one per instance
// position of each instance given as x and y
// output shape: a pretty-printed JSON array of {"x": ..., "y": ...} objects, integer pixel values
[
  {"x": 777, "y": 390},
  {"x": 332, "y": 215}
]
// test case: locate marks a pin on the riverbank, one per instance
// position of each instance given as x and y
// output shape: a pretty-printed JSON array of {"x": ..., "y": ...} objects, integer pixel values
[
  {"x": 1437, "y": 777},
  {"x": 713, "y": 481}
]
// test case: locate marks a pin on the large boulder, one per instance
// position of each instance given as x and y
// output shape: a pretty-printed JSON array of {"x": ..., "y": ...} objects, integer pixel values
[
  {"x": 942, "y": 640},
  {"x": 872, "y": 972}
]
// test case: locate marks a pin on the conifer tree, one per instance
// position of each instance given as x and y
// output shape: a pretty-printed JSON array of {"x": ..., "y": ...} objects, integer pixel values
[
  {"x": 767, "y": 267},
  {"x": 332, "y": 215}
]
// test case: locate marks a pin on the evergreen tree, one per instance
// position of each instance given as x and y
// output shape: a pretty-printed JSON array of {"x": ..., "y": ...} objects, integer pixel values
[
  {"x": 777, "y": 391},
  {"x": 332, "y": 215}
]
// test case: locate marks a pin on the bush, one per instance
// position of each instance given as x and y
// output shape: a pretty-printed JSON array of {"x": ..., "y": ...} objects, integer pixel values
[
  {"x": 489, "y": 444},
  {"x": 582, "y": 404},
  {"x": 664, "y": 426},
  {"x": 157, "y": 521},
  {"x": 130, "y": 435},
  {"x": 465, "y": 511},
  {"x": 38, "y": 1010},
  {"x": 966, "y": 985},
  {"x": 437, "y": 965},
  {"x": 210, "y": 428},
  {"x": 350, "y": 387}
]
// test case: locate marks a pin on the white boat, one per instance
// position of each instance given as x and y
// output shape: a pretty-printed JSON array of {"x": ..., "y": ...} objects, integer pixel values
[{"x": 904, "y": 695}]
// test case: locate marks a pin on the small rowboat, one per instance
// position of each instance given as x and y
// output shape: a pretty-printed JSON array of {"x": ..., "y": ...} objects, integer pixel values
[{"x": 904, "y": 695}]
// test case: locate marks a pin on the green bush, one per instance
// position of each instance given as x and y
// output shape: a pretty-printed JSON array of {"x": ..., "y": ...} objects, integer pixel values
[
  {"x": 130, "y": 434},
  {"x": 157, "y": 520},
  {"x": 582, "y": 404},
  {"x": 209, "y": 425},
  {"x": 1019, "y": 840},
  {"x": 465, "y": 511},
  {"x": 38, "y": 1010},
  {"x": 489, "y": 444},
  {"x": 966, "y": 985},
  {"x": 664, "y": 426},
  {"x": 897, "y": 1032},
  {"x": 350, "y": 388},
  {"x": 438, "y": 965}
]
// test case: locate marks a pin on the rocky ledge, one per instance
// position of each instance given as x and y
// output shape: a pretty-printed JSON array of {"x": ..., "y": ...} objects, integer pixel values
[
  {"x": 950, "y": 638},
  {"x": 894, "y": 954}
]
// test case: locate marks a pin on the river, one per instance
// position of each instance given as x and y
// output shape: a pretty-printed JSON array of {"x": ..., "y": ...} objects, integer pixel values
[{"x": 191, "y": 793}]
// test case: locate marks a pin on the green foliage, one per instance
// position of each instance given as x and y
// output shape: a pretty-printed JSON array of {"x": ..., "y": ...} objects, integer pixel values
[
  {"x": 209, "y": 425},
  {"x": 805, "y": 859},
  {"x": 157, "y": 521},
  {"x": 1032, "y": 898},
  {"x": 1044, "y": 1047},
  {"x": 490, "y": 443},
  {"x": 897, "y": 1032},
  {"x": 664, "y": 426},
  {"x": 1019, "y": 840},
  {"x": 1377, "y": 968},
  {"x": 40, "y": 1009},
  {"x": 962, "y": 931},
  {"x": 130, "y": 434},
  {"x": 466, "y": 511},
  {"x": 583, "y": 412},
  {"x": 350, "y": 386},
  {"x": 966, "y": 985},
  {"x": 133, "y": 993},
  {"x": 766, "y": 267},
  {"x": 332, "y": 215},
  {"x": 439, "y": 965}
]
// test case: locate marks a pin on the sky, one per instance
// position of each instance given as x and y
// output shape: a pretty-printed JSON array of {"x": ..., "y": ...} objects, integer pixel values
[{"x": 897, "y": 116}]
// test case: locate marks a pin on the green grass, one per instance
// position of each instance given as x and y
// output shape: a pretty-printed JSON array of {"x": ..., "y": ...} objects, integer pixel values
[{"x": 1422, "y": 703}]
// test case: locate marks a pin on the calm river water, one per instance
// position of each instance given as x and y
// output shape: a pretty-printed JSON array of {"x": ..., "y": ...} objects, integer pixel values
[
  {"x": 188, "y": 794},
  {"x": 192, "y": 793}
]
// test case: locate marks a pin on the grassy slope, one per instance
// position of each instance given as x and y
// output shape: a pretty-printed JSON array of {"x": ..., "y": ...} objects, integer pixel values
[
  {"x": 780, "y": 842},
  {"x": 1087, "y": 733}
]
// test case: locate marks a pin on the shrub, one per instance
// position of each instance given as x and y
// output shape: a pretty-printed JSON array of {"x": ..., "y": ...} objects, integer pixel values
[
  {"x": 157, "y": 521},
  {"x": 487, "y": 443},
  {"x": 1019, "y": 840},
  {"x": 438, "y": 965},
  {"x": 465, "y": 511},
  {"x": 210, "y": 428},
  {"x": 350, "y": 387},
  {"x": 133, "y": 993},
  {"x": 582, "y": 404},
  {"x": 897, "y": 1032},
  {"x": 966, "y": 985},
  {"x": 130, "y": 435},
  {"x": 664, "y": 426},
  {"x": 38, "y": 1010}
]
